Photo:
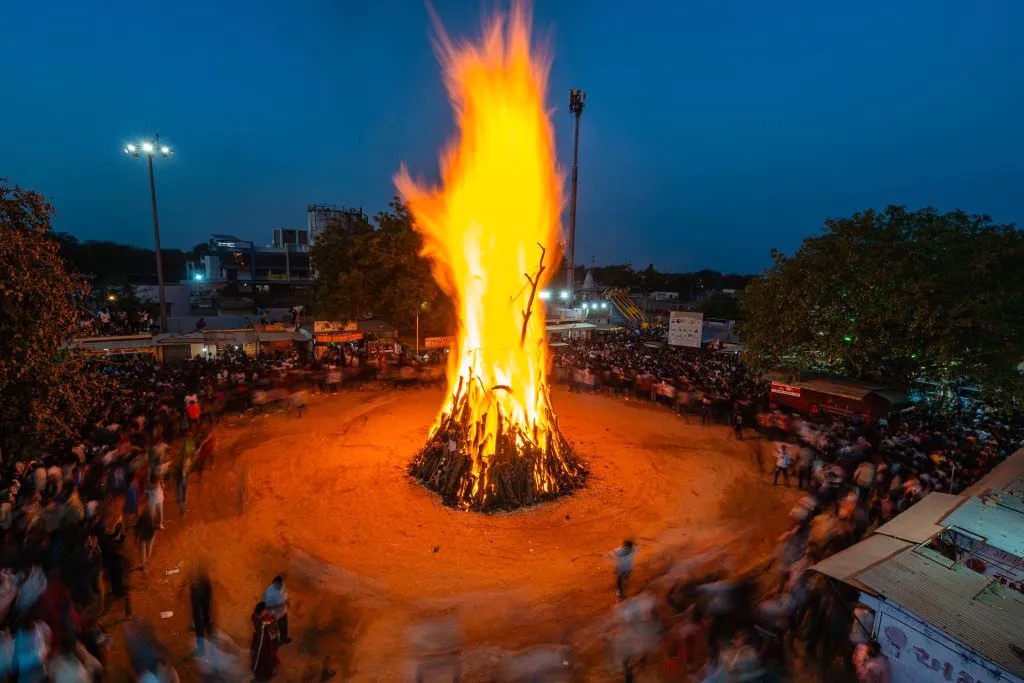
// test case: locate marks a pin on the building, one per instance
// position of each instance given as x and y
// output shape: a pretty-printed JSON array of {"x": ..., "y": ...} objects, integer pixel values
[
  {"x": 231, "y": 259},
  {"x": 943, "y": 583},
  {"x": 835, "y": 396},
  {"x": 319, "y": 216}
]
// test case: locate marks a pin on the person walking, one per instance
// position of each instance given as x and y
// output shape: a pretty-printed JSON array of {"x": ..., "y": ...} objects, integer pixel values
[
  {"x": 263, "y": 661},
  {"x": 782, "y": 462},
  {"x": 737, "y": 425},
  {"x": 200, "y": 592},
  {"x": 183, "y": 470},
  {"x": 875, "y": 666},
  {"x": 623, "y": 556},
  {"x": 145, "y": 534},
  {"x": 276, "y": 602},
  {"x": 155, "y": 493},
  {"x": 805, "y": 462}
]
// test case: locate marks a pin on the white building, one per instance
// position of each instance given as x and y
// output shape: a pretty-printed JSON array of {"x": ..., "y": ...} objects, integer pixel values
[{"x": 945, "y": 583}]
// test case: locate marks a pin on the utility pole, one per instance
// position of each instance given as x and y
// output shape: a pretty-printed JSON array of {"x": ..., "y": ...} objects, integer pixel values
[{"x": 577, "y": 98}]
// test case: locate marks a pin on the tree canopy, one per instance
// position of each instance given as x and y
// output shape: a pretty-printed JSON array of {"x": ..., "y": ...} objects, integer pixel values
[
  {"x": 44, "y": 394},
  {"x": 375, "y": 268},
  {"x": 895, "y": 295}
]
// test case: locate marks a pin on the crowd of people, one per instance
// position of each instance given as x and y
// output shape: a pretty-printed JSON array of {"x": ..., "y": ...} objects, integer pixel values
[
  {"x": 768, "y": 624},
  {"x": 81, "y": 517},
  {"x": 715, "y": 386},
  {"x": 111, "y": 321}
]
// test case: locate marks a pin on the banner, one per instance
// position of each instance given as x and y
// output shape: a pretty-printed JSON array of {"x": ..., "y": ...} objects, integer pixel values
[
  {"x": 685, "y": 328},
  {"x": 785, "y": 389},
  {"x": 438, "y": 342},
  {"x": 338, "y": 337},
  {"x": 333, "y": 326}
]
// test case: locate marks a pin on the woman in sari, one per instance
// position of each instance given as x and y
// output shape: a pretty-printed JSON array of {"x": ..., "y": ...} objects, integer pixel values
[{"x": 263, "y": 651}]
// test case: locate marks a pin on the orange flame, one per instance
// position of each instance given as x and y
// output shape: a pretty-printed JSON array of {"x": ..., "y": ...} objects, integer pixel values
[{"x": 487, "y": 230}]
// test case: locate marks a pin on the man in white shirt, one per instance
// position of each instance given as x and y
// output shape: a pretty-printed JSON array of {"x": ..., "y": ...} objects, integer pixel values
[
  {"x": 276, "y": 599},
  {"x": 782, "y": 462}
]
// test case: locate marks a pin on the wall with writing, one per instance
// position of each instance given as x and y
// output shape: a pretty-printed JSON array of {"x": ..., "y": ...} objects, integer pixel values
[{"x": 919, "y": 653}]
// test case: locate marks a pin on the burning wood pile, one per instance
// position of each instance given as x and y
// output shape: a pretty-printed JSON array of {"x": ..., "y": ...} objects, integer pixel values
[{"x": 495, "y": 444}]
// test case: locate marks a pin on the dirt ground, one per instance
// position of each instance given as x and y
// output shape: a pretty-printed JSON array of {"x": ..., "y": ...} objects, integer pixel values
[{"x": 325, "y": 499}]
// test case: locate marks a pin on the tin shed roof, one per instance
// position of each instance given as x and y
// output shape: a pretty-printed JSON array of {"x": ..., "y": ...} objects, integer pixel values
[{"x": 974, "y": 609}]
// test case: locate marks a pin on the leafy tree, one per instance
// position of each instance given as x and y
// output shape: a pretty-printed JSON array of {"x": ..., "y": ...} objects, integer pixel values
[
  {"x": 111, "y": 263},
  {"x": 44, "y": 393},
  {"x": 895, "y": 295},
  {"x": 722, "y": 306},
  {"x": 364, "y": 268}
]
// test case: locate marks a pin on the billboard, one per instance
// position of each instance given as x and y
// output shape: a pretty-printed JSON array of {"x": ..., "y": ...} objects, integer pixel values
[
  {"x": 337, "y": 337},
  {"x": 333, "y": 326},
  {"x": 685, "y": 328},
  {"x": 785, "y": 389},
  {"x": 438, "y": 342}
]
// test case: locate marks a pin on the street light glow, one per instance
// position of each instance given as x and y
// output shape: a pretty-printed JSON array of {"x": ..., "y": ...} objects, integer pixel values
[
  {"x": 197, "y": 276},
  {"x": 131, "y": 149},
  {"x": 165, "y": 150},
  {"x": 147, "y": 147},
  {"x": 564, "y": 294},
  {"x": 544, "y": 295}
]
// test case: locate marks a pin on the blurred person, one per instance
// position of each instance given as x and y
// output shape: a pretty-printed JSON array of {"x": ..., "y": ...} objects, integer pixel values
[
  {"x": 155, "y": 497},
  {"x": 276, "y": 600},
  {"x": 145, "y": 534},
  {"x": 782, "y": 462},
  {"x": 31, "y": 650},
  {"x": 875, "y": 666},
  {"x": 263, "y": 660},
  {"x": 201, "y": 601},
  {"x": 623, "y": 556}
]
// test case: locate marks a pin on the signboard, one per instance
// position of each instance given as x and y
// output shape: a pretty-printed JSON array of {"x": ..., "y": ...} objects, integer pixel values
[
  {"x": 915, "y": 656},
  {"x": 333, "y": 326},
  {"x": 338, "y": 337},
  {"x": 685, "y": 328},
  {"x": 785, "y": 389},
  {"x": 438, "y": 342}
]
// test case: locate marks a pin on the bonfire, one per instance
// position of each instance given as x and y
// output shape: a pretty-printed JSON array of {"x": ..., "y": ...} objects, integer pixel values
[{"x": 491, "y": 231}]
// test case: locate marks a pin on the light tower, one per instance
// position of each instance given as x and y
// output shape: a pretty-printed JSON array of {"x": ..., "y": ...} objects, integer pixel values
[
  {"x": 151, "y": 149},
  {"x": 577, "y": 98}
]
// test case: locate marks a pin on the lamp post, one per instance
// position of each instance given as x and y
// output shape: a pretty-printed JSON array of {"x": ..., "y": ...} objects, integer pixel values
[
  {"x": 151, "y": 149},
  {"x": 423, "y": 306},
  {"x": 577, "y": 98}
]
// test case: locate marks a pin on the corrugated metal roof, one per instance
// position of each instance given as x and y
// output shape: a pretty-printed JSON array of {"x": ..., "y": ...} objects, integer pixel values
[
  {"x": 279, "y": 336},
  {"x": 920, "y": 521},
  {"x": 113, "y": 343},
  {"x": 847, "y": 563},
  {"x": 1007, "y": 475},
  {"x": 208, "y": 337},
  {"x": 997, "y": 517},
  {"x": 970, "y": 607}
]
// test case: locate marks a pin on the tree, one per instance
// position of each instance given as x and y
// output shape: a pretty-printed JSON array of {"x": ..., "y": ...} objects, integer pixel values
[
  {"x": 44, "y": 392},
  {"x": 721, "y": 306},
  {"x": 895, "y": 295},
  {"x": 364, "y": 268}
]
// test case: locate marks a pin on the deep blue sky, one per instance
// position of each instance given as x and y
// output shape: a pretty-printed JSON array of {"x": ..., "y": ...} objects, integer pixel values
[{"x": 714, "y": 130}]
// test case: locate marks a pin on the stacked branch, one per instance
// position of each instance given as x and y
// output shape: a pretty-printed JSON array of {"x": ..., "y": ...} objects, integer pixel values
[
  {"x": 491, "y": 463},
  {"x": 523, "y": 470}
]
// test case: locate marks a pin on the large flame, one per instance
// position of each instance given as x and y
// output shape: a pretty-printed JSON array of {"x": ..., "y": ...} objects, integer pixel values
[{"x": 490, "y": 232}]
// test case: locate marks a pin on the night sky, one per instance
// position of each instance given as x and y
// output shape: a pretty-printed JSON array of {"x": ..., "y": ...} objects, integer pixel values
[{"x": 714, "y": 130}]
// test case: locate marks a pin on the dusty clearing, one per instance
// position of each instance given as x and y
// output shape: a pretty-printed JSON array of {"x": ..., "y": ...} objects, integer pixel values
[{"x": 367, "y": 552}]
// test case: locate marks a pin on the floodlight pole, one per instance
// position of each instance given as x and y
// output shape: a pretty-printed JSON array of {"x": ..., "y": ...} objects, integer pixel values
[
  {"x": 577, "y": 98},
  {"x": 156, "y": 241}
]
